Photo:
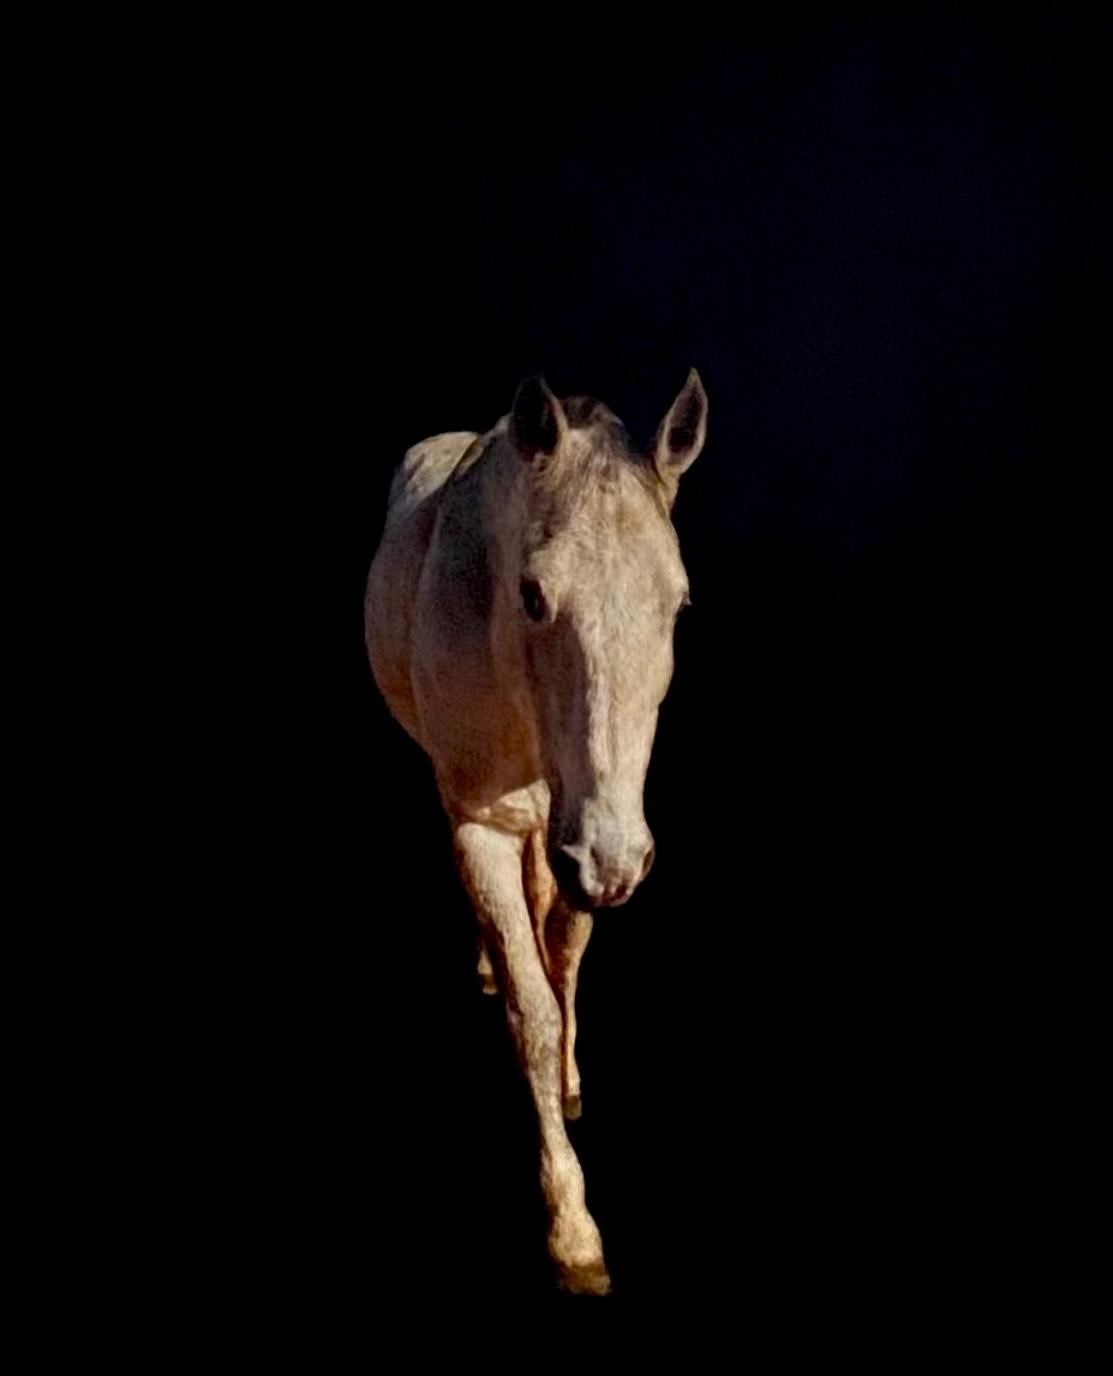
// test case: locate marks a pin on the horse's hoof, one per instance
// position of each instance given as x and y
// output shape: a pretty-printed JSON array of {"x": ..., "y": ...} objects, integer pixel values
[
  {"x": 487, "y": 984},
  {"x": 589, "y": 1279},
  {"x": 573, "y": 1107}
]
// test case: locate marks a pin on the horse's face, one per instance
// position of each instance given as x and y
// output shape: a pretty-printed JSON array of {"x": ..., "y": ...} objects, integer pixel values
[{"x": 600, "y": 586}]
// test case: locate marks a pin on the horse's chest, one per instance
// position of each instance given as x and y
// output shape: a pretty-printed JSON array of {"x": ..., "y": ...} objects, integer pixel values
[{"x": 521, "y": 810}]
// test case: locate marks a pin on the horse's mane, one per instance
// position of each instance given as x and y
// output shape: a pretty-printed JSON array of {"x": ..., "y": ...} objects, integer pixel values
[{"x": 583, "y": 413}]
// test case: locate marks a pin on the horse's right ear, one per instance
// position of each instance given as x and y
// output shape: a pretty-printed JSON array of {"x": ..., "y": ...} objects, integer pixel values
[
  {"x": 681, "y": 434},
  {"x": 537, "y": 420}
]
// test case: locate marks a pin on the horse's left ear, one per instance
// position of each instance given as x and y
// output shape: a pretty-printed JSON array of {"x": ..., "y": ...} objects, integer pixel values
[
  {"x": 537, "y": 419},
  {"x": 681, "y": 434}
]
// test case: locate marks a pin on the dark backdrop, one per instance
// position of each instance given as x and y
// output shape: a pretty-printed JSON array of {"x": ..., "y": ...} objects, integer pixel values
[{"x": 812, "y": 1045}]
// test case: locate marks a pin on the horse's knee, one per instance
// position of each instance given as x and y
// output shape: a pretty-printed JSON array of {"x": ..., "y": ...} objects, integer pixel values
[{"x": 535, "y": 1016}]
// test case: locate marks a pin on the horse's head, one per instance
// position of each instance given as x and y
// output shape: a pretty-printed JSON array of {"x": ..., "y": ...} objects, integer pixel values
[{"x": 600, "y": 585}]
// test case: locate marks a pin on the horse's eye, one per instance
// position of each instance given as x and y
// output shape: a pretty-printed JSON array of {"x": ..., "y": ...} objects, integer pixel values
[{"x": 532, "y": 599}]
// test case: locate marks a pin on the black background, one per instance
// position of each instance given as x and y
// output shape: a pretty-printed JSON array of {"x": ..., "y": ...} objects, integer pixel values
[{"x": 814, "y": 1045}]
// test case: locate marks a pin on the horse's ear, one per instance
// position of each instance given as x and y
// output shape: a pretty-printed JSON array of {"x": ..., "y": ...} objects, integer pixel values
[
  {"x": 537, "y": 419},
  {"x": 681, "y": 434}
]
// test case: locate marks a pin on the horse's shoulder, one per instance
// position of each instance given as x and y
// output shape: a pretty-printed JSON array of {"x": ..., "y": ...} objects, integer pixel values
[{"x": 425, "y": 469}]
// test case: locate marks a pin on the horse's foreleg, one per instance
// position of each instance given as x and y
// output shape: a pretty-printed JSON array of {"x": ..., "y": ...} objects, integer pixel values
[
  {"x": 562, "y": 935},
  {"x": 491, "y": 867},
  {"x": 566, "y": 935}
]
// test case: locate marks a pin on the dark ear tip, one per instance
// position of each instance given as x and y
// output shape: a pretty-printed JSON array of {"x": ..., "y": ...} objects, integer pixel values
[
  {"x": 534, "y": 423},
  {"x": 532, "y": 391},
  {"x": 528, "y": 385}
]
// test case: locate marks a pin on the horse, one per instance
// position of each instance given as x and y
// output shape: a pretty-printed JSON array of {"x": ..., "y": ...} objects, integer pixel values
[{"x": 519, "y": 621}]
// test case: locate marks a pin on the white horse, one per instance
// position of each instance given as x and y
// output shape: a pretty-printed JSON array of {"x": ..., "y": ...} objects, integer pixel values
[{"x": 519, "y": 622}]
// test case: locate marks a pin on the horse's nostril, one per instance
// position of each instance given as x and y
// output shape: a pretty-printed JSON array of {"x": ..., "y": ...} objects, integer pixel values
[{"x": 647, "y": 863}]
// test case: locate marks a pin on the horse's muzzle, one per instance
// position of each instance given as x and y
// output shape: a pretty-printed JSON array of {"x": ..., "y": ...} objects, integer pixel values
[{"x": 591, "y": 878}]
